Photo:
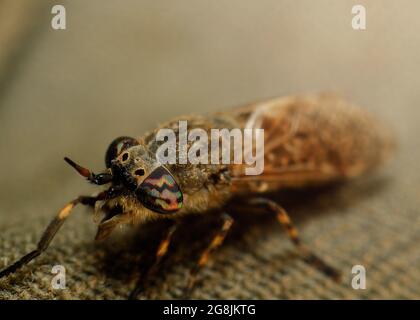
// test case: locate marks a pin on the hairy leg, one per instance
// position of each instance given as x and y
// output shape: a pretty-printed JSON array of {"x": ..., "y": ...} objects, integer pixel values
[
  {"x": 160, "y": 253},
  {"x": 51, "y": 231},
  {"x": 216, "y": 242},
  {"x": 284, "y": 219}
]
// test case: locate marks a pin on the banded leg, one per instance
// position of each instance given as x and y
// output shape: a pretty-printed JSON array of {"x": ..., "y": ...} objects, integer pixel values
[
  {"x": 160, "y": 253},
  {"x": 309, "y": 257},
  {"x": 50, "y": 232},
  {"x": 216, "y": 242}
]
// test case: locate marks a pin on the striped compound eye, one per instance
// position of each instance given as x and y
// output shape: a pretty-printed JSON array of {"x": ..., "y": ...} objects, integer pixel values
[
  {"x": 160, "y": 192},
  {"x": 117, "y": 146}
]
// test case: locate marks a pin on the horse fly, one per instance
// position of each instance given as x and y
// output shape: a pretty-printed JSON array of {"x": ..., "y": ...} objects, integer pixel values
[{"x": 308, "y": 140}]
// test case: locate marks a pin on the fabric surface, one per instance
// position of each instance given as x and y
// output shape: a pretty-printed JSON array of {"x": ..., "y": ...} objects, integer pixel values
[{"x": 121, "y": 69}]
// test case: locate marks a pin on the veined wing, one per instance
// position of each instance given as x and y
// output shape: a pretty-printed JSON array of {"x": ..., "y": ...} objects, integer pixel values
[{"x": 311, "y": 139}]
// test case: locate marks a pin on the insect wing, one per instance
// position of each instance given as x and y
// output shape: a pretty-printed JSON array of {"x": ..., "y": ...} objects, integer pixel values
[{"x": 312, "y": 140}]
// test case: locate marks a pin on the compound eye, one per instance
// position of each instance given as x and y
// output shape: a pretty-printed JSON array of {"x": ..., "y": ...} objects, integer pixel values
[
  {"x": 159, "y": 192},
  {"x": 117, "y": 146}
]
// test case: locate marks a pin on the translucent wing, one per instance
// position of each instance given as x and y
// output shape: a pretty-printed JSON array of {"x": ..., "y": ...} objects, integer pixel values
[{"x": 311, "y": 140}]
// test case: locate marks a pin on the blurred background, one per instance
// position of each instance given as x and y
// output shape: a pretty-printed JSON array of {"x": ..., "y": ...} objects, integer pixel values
[{"x": 122, "y": 67}]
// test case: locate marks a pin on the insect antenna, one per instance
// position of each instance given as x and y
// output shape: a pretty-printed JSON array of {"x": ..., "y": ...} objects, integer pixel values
[{"x": 99, "y": 179}]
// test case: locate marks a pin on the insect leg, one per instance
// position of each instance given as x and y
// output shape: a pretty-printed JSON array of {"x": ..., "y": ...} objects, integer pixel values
[
  {"x": 89, "y": 200},
  {"x": 50, "y": 232},
  {"x": 160, "y": 253},
  {"x": 309, "y": 257},
  {"x": 217, "y": 240}
]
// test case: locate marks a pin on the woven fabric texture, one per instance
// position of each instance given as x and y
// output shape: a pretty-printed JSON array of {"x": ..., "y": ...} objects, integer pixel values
[{"x": 121, "y": 69}]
